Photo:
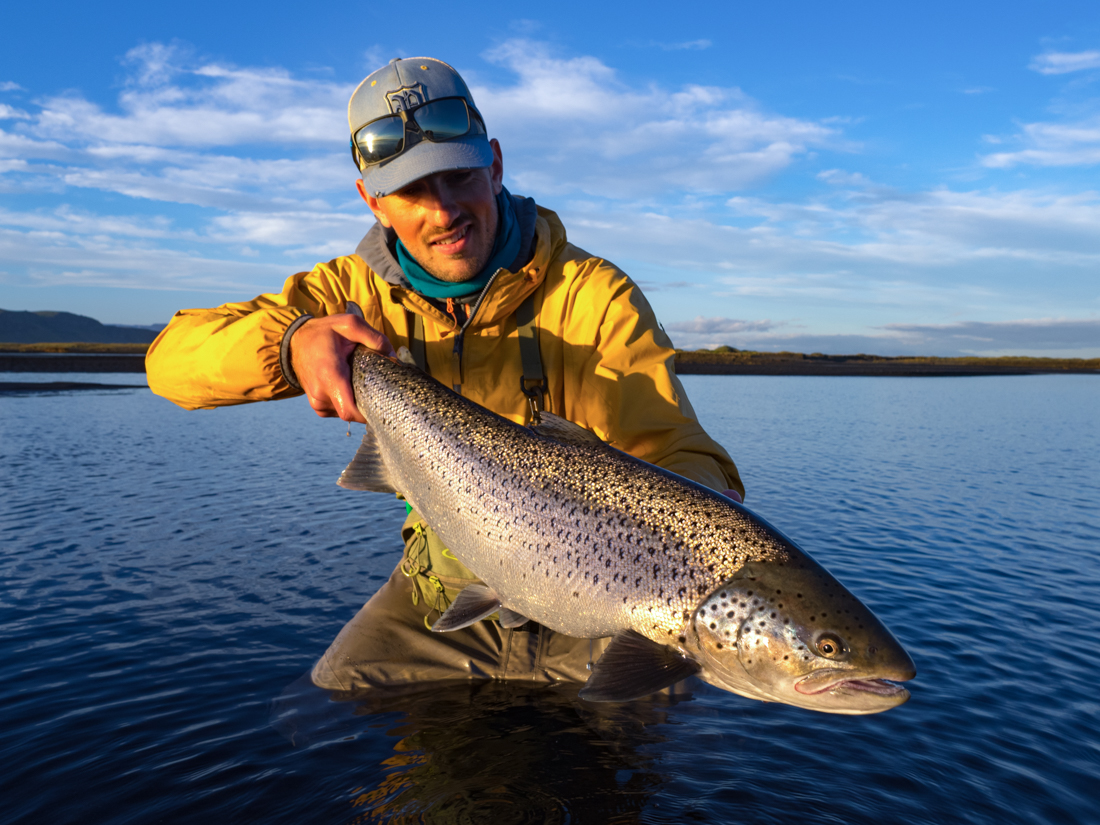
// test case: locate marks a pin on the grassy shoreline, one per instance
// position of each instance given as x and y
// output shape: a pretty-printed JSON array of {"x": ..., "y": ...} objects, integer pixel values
[{"x": 721, "y": 361}]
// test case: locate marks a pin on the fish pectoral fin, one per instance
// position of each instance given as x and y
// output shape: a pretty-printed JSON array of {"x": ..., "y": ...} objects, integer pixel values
[
  {"x": 564, "y": 430},
  {"x": 510, "y": 618},
  {"x": 471, "y": 605},
  {"x": 634, "y": 666},
  {"x": 367, "y": 470},
  {"x": 405, "y": 356}
]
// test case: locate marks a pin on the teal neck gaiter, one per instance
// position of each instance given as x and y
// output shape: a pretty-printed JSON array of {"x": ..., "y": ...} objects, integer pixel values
[{"x": 505, "y": 250}]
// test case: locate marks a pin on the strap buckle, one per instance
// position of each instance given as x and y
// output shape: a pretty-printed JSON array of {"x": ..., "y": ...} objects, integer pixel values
[{"x": 535, "y": 390}]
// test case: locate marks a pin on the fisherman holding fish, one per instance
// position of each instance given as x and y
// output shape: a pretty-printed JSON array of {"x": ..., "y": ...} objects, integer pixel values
[{"x": 491, "y": 300}]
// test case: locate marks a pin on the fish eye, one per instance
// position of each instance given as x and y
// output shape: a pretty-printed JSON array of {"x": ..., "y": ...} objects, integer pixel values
[{"x": 830, "y": 646}]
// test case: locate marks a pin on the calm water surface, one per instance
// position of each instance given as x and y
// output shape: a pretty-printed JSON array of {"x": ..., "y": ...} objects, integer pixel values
[{"x": 168, "y": 578}]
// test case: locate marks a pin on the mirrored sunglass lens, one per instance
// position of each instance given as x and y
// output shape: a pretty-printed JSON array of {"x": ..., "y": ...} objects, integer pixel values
[
  {"x": 443, "y": 119},
  {"x": 381, "y": 139}
]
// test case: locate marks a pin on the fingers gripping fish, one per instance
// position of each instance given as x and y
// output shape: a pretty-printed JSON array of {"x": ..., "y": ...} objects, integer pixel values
[{"x": 591, "y": 542}]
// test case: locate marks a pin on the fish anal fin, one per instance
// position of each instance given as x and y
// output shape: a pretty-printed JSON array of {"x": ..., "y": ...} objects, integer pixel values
[
  {"x": 633, "y": 666},
  {"x": 367, "y": 470},
  {"x": 473, "y": 604},
  {"x": 511, "y": 619},
  {"x": 564, "y": 430}
]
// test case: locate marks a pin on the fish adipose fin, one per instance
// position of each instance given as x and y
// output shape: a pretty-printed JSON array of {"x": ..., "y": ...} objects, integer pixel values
[
  {"x": 367, "y": 470},
  {"x": 634, "y": 666},
  {"x": 471, "y": 605},
  {"x": 510, "y": 618},
  {"x": 564, "y": 430}
]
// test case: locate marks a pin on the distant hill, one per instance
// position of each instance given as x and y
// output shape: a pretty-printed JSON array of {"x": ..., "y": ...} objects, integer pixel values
[{"x": 18, "y": 327}]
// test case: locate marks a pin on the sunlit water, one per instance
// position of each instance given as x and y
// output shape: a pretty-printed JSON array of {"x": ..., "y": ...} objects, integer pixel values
[{"x": 167, "y": 578}]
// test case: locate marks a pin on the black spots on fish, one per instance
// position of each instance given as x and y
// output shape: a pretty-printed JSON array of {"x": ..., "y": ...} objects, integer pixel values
[
  {"x": 638, "y": 582},
  {"x": 687, "y": 615},
  {"x": 713, "y": 626},
  {"x": 729, "y": 615},
  {"x": 798, "y": 595},
  {"x": 683, "y": 639},
  {"x": 780, "y": 605},
  {"x": 723, "y": 594},
  {"x": 773, "y": 615}
]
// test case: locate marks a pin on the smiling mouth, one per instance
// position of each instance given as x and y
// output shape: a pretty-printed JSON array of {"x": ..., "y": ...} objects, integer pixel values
[{"x": 453, "y": 238}]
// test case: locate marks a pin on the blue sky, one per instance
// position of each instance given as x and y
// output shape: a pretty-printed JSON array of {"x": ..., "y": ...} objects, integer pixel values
[{"x": 807, "y": 176}]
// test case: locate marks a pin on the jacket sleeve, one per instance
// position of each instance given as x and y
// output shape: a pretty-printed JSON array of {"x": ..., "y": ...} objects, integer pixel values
[
  {"x": 633, "y": 398},
  {"x": 231, "y": 354}
]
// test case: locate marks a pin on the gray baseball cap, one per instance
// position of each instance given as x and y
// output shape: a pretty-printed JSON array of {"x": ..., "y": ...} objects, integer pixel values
[{"x": 404, "y": 83}]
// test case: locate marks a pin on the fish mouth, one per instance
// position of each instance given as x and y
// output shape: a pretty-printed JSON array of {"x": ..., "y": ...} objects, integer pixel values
[{"x": 835, "y": 682}]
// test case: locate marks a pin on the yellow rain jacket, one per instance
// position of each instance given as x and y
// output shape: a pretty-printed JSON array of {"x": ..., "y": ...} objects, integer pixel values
[{"x": 608, "y": 364}]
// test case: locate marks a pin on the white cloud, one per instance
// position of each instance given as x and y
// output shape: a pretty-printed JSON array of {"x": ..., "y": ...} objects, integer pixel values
[
  {"x": 838, "y": 177},
  {"x": 687, "y": 45},
  {"x": 1053, "y": 144},
  {"x": 60, "y": 258},
  {"x": 576, "y": 126},
  {"x": 1065, "y": 62},
  {"x": 1072, "y": 141},
  {"x": 8, "y": 86},
  {"x": 10, "y": 113}
]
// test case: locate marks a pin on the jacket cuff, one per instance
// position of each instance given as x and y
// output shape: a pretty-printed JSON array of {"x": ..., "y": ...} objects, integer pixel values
[{"x": 284, "y": 352}]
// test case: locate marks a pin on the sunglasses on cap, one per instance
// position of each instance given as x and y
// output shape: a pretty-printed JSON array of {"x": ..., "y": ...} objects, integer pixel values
[{"x": 436, "y": 121}]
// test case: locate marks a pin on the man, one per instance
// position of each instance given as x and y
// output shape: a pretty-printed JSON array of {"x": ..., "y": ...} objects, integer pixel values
[{"x": 493, "y": 301}]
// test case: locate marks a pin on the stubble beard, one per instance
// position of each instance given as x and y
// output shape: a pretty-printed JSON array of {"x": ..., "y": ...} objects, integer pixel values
[{"x": 457, "y": 277}]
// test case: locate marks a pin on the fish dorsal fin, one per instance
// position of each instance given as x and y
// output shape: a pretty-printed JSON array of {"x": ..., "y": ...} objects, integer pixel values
[
  {"x": 634, "y": 666},
  {"x": 510, "y": 618},
  {"x": 471, "y": 605},
  {"x": 367, "y": 470},
  {"x": 564, "y": 430}
]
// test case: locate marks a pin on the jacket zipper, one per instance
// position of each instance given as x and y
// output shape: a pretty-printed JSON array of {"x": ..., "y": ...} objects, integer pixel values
[{"x": 456, "y": 353}]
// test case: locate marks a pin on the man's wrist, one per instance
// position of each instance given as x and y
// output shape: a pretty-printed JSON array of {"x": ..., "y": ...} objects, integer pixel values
[{"x": 284, "y": 351}]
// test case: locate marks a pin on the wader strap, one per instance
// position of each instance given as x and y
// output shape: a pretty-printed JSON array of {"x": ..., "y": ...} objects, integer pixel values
[
  {"x": 532, "y": 382},
  {"x": 416, "y": 339}
]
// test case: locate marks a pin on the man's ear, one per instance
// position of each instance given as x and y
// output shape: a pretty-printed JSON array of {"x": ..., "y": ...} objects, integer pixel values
[
  {"x": 373, "y": 202},
  {"x": 496, "y": 171}
]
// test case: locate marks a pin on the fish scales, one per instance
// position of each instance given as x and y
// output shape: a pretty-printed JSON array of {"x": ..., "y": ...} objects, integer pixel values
[
  {"x": 583, "y": 539},
  {"x": 591, "y": 542}
]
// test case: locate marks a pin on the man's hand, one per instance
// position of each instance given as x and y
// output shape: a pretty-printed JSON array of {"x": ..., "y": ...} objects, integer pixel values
[
  {"x": 319, "y": 353},
  {"x": 736, "y": 496}
]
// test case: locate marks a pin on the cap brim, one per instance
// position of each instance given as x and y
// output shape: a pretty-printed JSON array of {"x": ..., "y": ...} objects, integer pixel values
[{"x": 427, "y": 158}]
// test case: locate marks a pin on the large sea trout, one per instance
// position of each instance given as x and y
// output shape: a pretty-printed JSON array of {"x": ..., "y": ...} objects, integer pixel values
[{"x": 591, "y": 542}]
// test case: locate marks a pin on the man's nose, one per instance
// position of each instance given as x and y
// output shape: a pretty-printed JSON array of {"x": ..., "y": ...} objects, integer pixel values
[{"x": 442, "y": 202}]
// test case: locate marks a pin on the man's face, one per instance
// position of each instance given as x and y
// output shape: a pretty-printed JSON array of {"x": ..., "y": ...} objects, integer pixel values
[{"x": 447, "y": 221}]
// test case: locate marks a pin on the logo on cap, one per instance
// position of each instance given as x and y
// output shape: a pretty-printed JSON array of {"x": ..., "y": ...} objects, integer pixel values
[{"x": 407, "y": 97}]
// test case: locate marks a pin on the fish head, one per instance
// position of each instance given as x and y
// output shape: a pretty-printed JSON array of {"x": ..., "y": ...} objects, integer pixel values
[{"x": 789, "y": 632}]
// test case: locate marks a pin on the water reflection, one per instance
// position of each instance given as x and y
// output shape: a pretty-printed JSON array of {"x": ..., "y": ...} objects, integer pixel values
[{"x": 499, "y": 752}]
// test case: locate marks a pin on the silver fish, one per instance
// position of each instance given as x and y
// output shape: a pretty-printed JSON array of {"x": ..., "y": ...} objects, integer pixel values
[{"x": 591, "y": 542}]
